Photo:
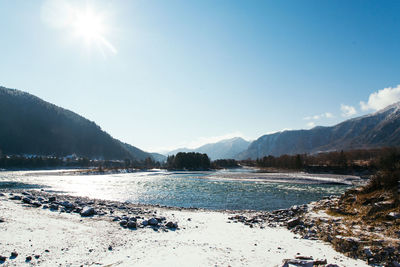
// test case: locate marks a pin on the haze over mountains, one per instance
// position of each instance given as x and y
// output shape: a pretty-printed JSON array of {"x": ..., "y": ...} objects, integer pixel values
[
  {"x": 29, "y": 125},
  {"x": 225, "y": 149},
  {"x": 378, "y": 129}
]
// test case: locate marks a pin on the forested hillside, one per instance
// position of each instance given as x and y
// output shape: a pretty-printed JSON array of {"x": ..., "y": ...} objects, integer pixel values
[{"x": 29, "y": 125}]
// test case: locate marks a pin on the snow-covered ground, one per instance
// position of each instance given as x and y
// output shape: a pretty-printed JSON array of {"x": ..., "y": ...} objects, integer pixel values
[
  {"x": 288, "y": 177},
  {"x": 207, "y": 239}
]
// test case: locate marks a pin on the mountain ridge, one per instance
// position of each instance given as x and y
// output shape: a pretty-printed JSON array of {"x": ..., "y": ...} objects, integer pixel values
[
  {"x": 224, "y": 149},
  {"x": 31, "y": 125},
  {"x": 381, "y": 128}
]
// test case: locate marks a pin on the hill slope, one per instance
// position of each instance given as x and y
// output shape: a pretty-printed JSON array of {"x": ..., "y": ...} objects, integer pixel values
[
  {"x": 378, "y": 129},
  {"x": 225, "y": 149},
  {"x": 30, "y": 125}
]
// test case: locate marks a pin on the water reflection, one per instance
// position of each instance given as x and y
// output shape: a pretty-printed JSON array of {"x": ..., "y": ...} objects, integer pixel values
[{"x": 179, "y": 189}]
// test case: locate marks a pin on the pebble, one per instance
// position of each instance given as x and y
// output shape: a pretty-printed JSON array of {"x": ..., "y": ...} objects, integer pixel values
[
  {"x": 14, "y": 254},
  {"x": 153, "y": 221},
  {"x": 27, "y": 200},
  {"x": 131, "y": 224},
  {"x": 29, "y": 258},
  {"x": 171, "y": 225},
  {"x": 87, "y": 211},
  {"x": 15, "y": 198}
]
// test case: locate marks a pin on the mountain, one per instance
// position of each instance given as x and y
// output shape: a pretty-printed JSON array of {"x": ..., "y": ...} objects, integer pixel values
[
  {"x": 378, "y": 129},
  {"x": 159, "y": 157},
  {"x": 29, "y": 125},
  {"x": 225, "y": 149}
]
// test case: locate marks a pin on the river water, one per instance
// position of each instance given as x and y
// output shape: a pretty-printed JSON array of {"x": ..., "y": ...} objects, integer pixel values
[{"x": 218, "y": 190}]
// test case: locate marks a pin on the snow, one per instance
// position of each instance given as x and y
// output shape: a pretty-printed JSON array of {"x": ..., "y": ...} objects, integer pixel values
[{"x": 206, "y": 240}]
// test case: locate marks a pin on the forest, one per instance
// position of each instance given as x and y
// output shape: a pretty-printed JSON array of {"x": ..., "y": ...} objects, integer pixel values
[{"x": 188, "y": 161}]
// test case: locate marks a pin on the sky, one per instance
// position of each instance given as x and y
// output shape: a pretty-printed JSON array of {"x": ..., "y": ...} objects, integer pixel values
[{"x": 167, "y": 74}]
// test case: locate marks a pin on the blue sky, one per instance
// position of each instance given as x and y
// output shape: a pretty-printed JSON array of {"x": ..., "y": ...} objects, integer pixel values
[{"x": 167, "y": 74}]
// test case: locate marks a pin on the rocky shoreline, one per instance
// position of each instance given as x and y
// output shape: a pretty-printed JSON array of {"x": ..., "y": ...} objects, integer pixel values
[
  {"x": 138, "y": 218},
  {"x": 127, "y": 215},
  {"x": 377, "y": 243}
]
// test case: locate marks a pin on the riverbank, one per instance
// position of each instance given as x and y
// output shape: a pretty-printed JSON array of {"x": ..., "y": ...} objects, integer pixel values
[
  {"x": 360, "y": 224},
  {"x": 49, "y": 237}
]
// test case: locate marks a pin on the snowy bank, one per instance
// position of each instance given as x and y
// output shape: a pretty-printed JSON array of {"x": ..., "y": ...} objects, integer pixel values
[{"x": 204, "y": 238}]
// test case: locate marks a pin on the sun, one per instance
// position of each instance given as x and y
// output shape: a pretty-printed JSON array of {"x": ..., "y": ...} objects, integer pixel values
[
  {"x": 84, "y": 23},
  {"x": 88, "y": 25}
]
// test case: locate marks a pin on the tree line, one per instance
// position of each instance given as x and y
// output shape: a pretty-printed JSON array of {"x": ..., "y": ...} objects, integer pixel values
[
  {"x": 40, "y": 162},
  {"x": 360, "y": 160}
]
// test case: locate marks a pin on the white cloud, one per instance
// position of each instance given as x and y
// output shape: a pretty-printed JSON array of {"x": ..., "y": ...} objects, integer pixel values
[
  {"x": 311, "y": 124},
  {"x": 326, "y": 115},
  {"x": 347, "y": 111},
  {"x": 382, "y": 98},
  {"x": 329, "y": 115}
]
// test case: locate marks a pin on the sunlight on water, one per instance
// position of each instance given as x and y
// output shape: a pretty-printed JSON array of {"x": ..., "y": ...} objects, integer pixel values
[{"x": 178, "y": 189}]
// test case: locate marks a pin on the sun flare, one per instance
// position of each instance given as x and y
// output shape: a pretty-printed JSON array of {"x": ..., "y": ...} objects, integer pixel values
[
  {"x": 83, "y": 22},
  {"x": 88, "y": 25}
]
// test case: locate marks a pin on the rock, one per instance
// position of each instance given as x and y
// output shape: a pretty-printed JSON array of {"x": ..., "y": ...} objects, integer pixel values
[
  {"x": 67, "y": 205},
  {"x": 29, "y": 258},
  {"x": 367, "y": 252},
  {"x": 299, "y": 257},
  {"x": 40, "y": 199},
  {"x": 1, "y": 220},
  {"x": 27, "y": 200},
  {"x": 15, "y": 198},
  {"x": 380, "y": 206},
  {"x": 161, "y": 219},
  {"x": 171, "y": 225},
  {"x": 87, "y": 211},
  {"x": 303, "y": 262},
  {"x": 2, "y": 259},
  {"x": 319, "y": 262},
  {"x": 123, "y": 222},
  {"x": 153, "y": 221},
  {"x": 2, "y": 195},
  {"x": 53, "y": 207},
  {"x": 145, "y": 223},
  {"x": 131, "y": 224},
  {"x": 36, "y": 204},
  {"x": 25, "y": 193},
  {"x": 116, "y": 218},
  {"x": 394, "y": 215},
  {"x": 52, "y": 199},
  {"x": 14, "y": 255},
  {"x": 132, "y": 219},
  {"x": 110, "y": 247},
  {"x": 37, "y": 256},
  {"x": 295, "y": 262},
  {"x": 293, "y": 222},
  {"x": 45, "y": 207}
]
